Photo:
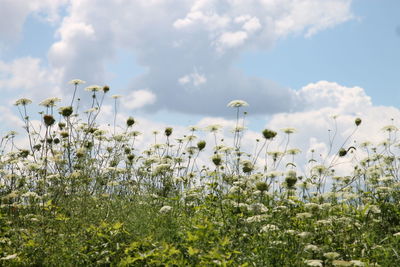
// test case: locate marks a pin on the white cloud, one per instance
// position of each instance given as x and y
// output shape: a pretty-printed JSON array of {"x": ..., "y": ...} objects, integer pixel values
[
  {"x": 195, "y": 78},
  {"x": 13, "y": 14},
  {"x": 169, "y": 38},
  {"x": 26, "y": 76},
  {"x": 316, "y": 126},
  {"x": 138, "y": 99},
  {"x": 231, "y": 39}
]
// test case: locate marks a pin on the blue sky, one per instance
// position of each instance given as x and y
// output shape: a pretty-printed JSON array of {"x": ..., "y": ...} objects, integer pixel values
[{"x": 186, "y": 60}]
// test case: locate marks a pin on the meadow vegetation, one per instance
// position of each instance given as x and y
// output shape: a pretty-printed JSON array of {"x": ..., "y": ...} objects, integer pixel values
[{"x": 80, "y": 195}]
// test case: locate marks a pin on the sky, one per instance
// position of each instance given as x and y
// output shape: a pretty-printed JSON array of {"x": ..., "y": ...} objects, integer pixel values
[{"x": 297, "y": 63}]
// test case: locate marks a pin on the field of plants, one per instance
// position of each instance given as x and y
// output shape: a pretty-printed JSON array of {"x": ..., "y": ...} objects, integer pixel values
[{"x": 80, "y": 194}]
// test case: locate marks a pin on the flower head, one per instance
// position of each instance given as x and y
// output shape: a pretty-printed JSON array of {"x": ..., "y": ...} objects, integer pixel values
[
  {"x": 76, "y": 81},
  {"x": 50, "y": 102},
  {"x": 93, "y": 88},
  {"x": 237, "y": 104},
  {"x": 23, "y": 102}
]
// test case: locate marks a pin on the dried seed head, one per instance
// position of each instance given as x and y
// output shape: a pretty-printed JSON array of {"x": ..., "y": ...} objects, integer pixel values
[
  {"x": 357, "y": 121},
  {"x": 201, "y": 145},
  {"x": 130, "y": 121},
  {"x": 48, "y": 120},
  {"x": 268, "y": 134},
  {"x": 168, "y": 131}
]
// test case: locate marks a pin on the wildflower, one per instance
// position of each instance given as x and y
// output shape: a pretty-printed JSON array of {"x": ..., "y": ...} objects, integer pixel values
[
  {"x": 262, "y": 186},
  {"x": 396, "y": 234},
  {"x": 237, "y": 104},
  {"x": 201, "y": 145},
  {"x": 269, "y": 228},
  {"x": 116, "y": 96},
  {"x": 50, "y": 102},
  {"x": 23, "y": 102},
  {"x": 311, "y": 247},
  {"x": 390, "y": 128},
  {"x": 269, "y": 134},
  {"x": 291, "y": 179},
  {"x": 9, "y": 257},
  {"x": 289, "y": 130},
  {"x": 357, "y": 263},
  {"x": 247, "y": 166},
  {"x": 165, "y": 209},
  {"x": 293, "y": 151},
  {"x": 316, "y": 263},
  {"x": 76, "y": 81},
  {"x": 168, "y": 131},
  {"x": 66, "y": 111},
  {"x": 331, "y": 255},
  {"x": 303, "y": 215},
  {"x": 90, "y": 110},
  {"x": 93, "y": 88},
  {"x": 48, "y": 120},
  {"x": 257, "y": 218},
  {"x": 216, "y": 159},
  {"x": 258, "y": 208},
  {"x": 213, "y": 128},
  {"x": 342, "y": 152},
  {"x": 341, "y": 263},
  {"x": 130, "y": 121},
  {"x": 304, "y": 234}
]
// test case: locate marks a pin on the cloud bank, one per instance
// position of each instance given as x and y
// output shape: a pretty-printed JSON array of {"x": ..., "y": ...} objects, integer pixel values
[{"x": 189, "y": 48}]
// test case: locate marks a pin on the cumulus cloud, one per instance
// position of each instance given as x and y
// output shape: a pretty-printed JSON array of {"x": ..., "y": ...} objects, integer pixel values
[
  {"x": 27, "y": 76},
  {"x": 170, "y": 39},
  {"x": 328, "y": 120},
  {"x": 13, "y": 14},
  {"x": 138, "y": 99}
]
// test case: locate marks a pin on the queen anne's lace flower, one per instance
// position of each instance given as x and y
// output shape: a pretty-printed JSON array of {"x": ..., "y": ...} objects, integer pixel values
[{"x": 237, "y": 104}]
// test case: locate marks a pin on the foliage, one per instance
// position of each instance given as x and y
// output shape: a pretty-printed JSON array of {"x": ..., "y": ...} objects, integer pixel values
[{"x": 80, "y": 195}]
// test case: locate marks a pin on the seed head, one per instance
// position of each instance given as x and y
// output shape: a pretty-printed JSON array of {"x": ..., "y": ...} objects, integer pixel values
[
  {"x": 342, "y": 152},
  {"x": 48, "y": 120},
  {"x": 216, "y": 159},
  {"x": 66, "y": 111},
  {"x": 130, "y": 121},
  {"x": 291, "y": 179},
  {"x": 106, "y": 88},
  {"x": 268, "y": 134},
  {"x": 357, "y": 121},
  {"x": 201, "y": 145},
  {"x": 168, "y": 131}
]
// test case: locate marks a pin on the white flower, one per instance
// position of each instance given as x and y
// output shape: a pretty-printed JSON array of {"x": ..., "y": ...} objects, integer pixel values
[
  {"x": 317, "y": 263},
  {"x": 165, "y": 209},
  {"x": 50, "y": 102},
  {"x": 331, "y": 255},
  {"x": 269, "y": 227},
  {"x": 303, "y": 215},
  {"x": 93, "y": 88},
  {"x": 9, "y": 257},
  {"x": 23, "y": 102},
  {"x": 311, "y": 247},
  {"x": 116, "y": 96},
  {"x": 76, "y": 81},
  {"x": 357, "y": 263},
  {"x": 237, "y": 104},
  {"x": 397, "y": 234},
  {"x": 304, "y": 234}
]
